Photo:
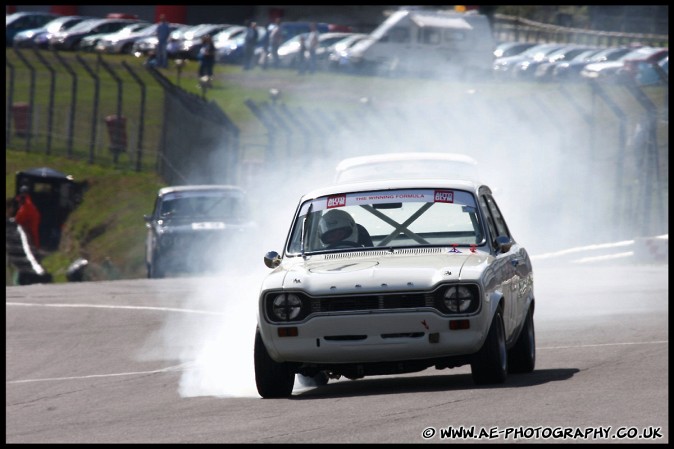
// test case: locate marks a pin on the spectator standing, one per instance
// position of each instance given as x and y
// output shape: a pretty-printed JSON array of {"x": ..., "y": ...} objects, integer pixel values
[
  {"x": 250, "y": 41},
  {"x": 312, "y": 44},
  {"x": 265, "y": 44},
  {"x": 275, "y": 41},
  {"x": 206, "y": 60},
  {"x": 163, "y": 32},
  {"x": 28, "y": 216},
  {"x": 302, "y": 55}
]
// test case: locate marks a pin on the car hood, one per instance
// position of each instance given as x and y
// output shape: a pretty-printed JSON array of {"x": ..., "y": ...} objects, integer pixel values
[{"x": 401, "y": 270}]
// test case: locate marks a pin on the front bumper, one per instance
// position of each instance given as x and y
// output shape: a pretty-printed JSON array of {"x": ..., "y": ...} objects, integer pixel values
[{"x": 375, "y": 337}]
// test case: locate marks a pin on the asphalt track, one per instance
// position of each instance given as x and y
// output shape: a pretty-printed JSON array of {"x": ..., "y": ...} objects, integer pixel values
[{"x": 170, "y": 361}]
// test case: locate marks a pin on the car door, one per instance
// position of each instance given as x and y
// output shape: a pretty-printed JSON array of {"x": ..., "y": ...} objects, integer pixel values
[{"x": 506, "y": 263}]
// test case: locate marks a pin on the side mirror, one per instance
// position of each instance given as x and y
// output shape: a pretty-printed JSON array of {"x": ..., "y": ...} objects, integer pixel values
[
  {"x": 147, "y": 218},
  {"x": 272, "y": 259},
  {"x": 503, "y": 243}
]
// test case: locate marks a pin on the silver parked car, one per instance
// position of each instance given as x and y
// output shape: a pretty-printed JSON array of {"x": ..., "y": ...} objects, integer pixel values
[
  {"x": 391, "y": 277},
  {"x": 122, "y": 41}
]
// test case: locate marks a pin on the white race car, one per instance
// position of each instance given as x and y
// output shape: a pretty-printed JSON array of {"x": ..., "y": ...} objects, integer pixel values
[{"x": 388, "y": 277}]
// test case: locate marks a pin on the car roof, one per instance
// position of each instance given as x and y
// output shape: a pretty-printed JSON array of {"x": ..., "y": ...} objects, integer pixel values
[
  {"x": 406, "y": 165},
  {"x": 199, "y": 187},
  {"x": 393, "y": 184},
  {"x": 409, "y": 156}
]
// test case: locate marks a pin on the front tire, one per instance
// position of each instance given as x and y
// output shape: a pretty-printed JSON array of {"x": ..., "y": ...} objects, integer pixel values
[
  {"x": 490, "y": 365},
  {"x": 273, "y": 379},
  {"x": 522, "y": 356}
]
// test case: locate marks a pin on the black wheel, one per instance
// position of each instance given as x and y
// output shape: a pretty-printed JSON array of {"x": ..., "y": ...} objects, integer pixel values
[
  {"x": 522, "y": 356},
  {"x": 318, "y": 380},
  {"x": 273, "y": 379},
  {"x": 490, "y": 365}
]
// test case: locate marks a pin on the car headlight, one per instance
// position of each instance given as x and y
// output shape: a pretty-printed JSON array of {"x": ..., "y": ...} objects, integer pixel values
[
  {"x": 460, "y": 299},
  {"x": 286, "y": 306}
]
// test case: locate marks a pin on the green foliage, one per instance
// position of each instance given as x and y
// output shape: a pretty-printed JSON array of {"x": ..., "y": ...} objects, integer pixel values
[{"x": 108, "y": 227}]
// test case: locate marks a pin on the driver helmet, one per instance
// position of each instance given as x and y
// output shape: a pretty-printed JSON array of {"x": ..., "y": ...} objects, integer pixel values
[{"x": 337, "y": 225}]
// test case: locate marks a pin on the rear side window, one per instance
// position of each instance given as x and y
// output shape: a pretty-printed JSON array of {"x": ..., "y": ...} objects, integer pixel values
[{"x": 431, "y": 36}]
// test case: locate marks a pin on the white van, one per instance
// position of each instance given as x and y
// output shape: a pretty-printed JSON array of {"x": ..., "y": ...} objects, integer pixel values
[{"x": 444, "y": 44}]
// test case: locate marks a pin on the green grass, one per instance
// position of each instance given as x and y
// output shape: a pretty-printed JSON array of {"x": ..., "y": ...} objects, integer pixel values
[{"x": 108, "y": 223}]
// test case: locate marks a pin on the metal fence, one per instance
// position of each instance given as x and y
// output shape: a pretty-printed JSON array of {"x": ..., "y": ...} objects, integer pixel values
[
  {"x": 599, "y": 150},
  {"x": 512, "y": 28},
  {"x": 613, "y": 137}
]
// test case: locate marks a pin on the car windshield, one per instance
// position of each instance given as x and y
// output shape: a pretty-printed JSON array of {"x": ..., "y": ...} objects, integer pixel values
[
  {"x": 227, "y": 205},
  {"x": 387, "y": 219},
  {"x": 85, "y": 25}
]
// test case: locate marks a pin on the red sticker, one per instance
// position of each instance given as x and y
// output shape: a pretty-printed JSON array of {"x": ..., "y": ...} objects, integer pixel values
[
  {"x": 336, "y": 201},
  {"x": 444, "y": 196}
]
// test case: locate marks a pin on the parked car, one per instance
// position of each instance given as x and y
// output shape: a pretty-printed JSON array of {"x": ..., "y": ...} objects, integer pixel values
[
  {"x": 229, "y": 44},
  {"x": 191, "y": 225},
  {"x": 292, "y": 29},
  {"x": 406, "y": 165},
  {"x": 505, "y": 49},
  {"x": 122, "y": 41},
  {"x": 570, "y": 70},
  {"x": 145, "y": 46},
  {"x": 634, "y": 67},
  {"x": 90, "y": 43},
  {"x": 545, "y": 70},
  {"x": 504, "y": 67},
  {"x": 526, "y": 69},
  {"x": 190, "y": 44},
  {"x": 289, "y": 51},
  {"x": 337, "y": 53},
  {"x": 24, "y": 20},
  {"x": 392, "y": 277},
  {"x": 609, "y": 71},
  {"x": 38, "y": 37},
  {"x": 649, "y": 73},
  {"x": 70, "y": 39}
]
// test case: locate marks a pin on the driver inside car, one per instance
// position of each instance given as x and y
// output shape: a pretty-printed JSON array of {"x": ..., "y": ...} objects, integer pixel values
[{"x": 337, "y": 228}]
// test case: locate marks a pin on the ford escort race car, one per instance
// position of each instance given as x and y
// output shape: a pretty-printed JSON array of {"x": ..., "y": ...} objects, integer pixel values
[{"x": 396, "y": 276}]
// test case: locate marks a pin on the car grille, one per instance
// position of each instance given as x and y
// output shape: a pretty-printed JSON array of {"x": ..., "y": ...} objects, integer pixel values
[{"x": 371, "y": 302}]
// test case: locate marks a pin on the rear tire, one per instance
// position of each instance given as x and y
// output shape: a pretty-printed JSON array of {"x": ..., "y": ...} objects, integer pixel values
[
  {"x": 522, "y": 356},
  {"x": 273, "y": 379},
  {"x": 490, "y": 365}
]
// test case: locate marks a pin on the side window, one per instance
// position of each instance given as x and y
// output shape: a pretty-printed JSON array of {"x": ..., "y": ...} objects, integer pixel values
[
  {"x": 430, "y": 36},
  {"x": 490, "y": 219},
  {"x": 454, "y": 35},
  {"x": 499, "y": 221},
  {"x": 400, "y": 35}
]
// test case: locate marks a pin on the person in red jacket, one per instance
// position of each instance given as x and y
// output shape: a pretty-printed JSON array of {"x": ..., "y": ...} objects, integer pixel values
[{"x": 28, "y": 216}]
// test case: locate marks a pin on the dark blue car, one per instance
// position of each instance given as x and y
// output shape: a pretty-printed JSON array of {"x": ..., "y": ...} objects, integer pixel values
[{"x": 24, "y": 20}]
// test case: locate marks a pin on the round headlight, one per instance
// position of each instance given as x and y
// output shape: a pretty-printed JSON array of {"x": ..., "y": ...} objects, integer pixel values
[
  {"x": 287, "y": 307},
  {"x": 458, "y": 299}
]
